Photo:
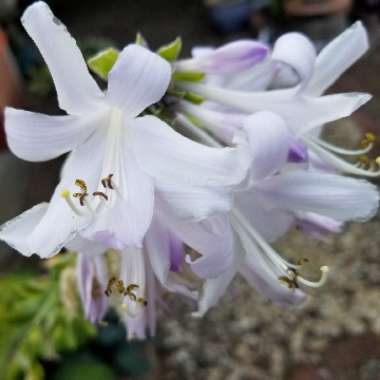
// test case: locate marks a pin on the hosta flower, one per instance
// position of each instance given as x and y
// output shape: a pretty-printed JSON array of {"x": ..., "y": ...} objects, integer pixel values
[
  {"x": 302, "y": 106},
  {"x": 132, "y": 280},
  {"x": 119, "y": 161},
  {"x": 277, "y": 196}
]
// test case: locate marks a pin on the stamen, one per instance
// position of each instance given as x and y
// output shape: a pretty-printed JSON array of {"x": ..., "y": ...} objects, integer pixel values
[
  {"x": 100, "y": 194},
  {"x": 364, "y": 148},
  {"x": 142, "y": 301},
  {"x": 293, "y": 279},
  {"x": 369, "y": 139},
  {"x": 291, "y": 284},
  {"x": 358, "y": 168},
  {"x": 364, "y": 160},
  {"x": 107, "y": 182},
  {"x": 127, "y": 291},
  {"x": 67, "y": 197},
  {"x": 126, "y": 308},
  {"x": 302, "y": 260},
  {"x": 81, "y": 184},
  {"x": 81, "y": 197},
  {"x": 110, "y": 285}
]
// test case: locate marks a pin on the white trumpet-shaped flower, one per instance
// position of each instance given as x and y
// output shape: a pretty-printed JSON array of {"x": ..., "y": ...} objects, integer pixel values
[
  {"x": 119, "y": 160},
  {"x": 293, "y": 62},
  {"x": 276, "y": 197}
]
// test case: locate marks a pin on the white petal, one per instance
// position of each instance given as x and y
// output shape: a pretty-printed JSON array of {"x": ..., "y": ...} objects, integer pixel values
[
  {"x": 60, "y": 224},
  {"x": 193, "y": 203},
  {"x": 138, "y": 79},
  {"x": 169, "y": 157},
  {"x": 15, "y": 231},
  {"x": 127, "y": 219},
  {"x": 270, "y": 223},
  {"x": 77, "y": 91},
  {"x": 257, "y": 78},
  {"x": 334, "y": 196},
  {"x": 337, "y": 57},
  {"x": 269, "y": 139},
  {"x": 201, "y": 51},
  {"x": 211, "y": 238},
  {"x": 298, "y": 52},
  {"x": 38, "y": 137},
  {"x": 133, "y": 272},
  {"x": 157, "y": 247},
  {"x": 214, "y": 288},
  {"x": 81, "y": 245}
]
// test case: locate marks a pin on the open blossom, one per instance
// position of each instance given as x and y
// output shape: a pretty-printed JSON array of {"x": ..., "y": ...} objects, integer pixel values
[
  {"x": 302, "y": 106},
  {"x": 132, "y": 280},
  {"x": 278, "y": 196},
  {"x": 119, "y": 161}
]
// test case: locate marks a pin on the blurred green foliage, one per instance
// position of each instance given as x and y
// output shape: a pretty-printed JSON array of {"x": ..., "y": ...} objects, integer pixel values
[{"x": 39, "y": 320}]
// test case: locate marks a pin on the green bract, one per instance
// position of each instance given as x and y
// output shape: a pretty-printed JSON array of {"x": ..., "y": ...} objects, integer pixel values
[
  {"x": 190, "y": 76},
  {"x": 102, "y": 63},
  {"x": 172, "y": 50}
]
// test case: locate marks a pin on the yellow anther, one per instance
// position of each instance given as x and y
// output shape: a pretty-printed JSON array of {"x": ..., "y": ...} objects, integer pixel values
[
  {"x": 290, "y": 283},
  {"x": 364, "y": 160},
  {"x": 107, "y": 182},
  {"x": 370, "y": 137},
  {"x": 302, "y": 261},
  {"x": 377, "y": 160},
  {"x": 80, "y": 183},
  {"x": 65, "y": 193}
]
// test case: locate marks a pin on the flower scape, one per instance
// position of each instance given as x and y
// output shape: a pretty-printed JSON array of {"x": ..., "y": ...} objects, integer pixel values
[{"x": 182, "y": 174}]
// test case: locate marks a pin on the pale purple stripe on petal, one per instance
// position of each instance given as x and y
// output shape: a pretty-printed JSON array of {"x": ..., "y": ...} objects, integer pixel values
[
  {"x": 297, "y": 151},
  {"x": 176, "y": 252}
]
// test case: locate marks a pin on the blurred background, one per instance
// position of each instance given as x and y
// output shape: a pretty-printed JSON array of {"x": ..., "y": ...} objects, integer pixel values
[{"x": 337, "y": 334}]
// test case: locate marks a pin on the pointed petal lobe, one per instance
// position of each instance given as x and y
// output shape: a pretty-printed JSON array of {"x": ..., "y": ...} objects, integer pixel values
[
  {"x": 138, "y": 79},
  {"x": 77, "y": 91}
]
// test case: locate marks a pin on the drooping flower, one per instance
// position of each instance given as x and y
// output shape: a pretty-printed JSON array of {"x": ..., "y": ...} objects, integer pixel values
[
  {"x": 278, "y": 196},
  {"x": 302, "y": 106},
  {"x": 118, "y": 159},
  {"x": 132, "y": 280}
]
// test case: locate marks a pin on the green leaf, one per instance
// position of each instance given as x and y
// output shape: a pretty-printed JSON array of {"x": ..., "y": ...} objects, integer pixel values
[
  {"x": 84, "y": 369},
  {"x": 34, "y": 324},
  {"x": 190, "y": 76},
  {"x": 102, "y": 63},
  {"x": 171, "y": 51}
]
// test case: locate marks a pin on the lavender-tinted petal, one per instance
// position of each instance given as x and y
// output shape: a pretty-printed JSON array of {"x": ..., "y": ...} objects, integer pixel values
[{"x": 298, "y": 151}]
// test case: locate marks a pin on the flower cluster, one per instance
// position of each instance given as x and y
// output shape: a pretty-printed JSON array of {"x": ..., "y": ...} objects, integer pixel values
[{"x": 183, "y": 172}]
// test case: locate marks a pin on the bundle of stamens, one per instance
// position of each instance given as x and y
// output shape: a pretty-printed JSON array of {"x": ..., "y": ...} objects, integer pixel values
[
  {"x": 121, "y": 289},
  {"x": 83, "y": 195}
]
